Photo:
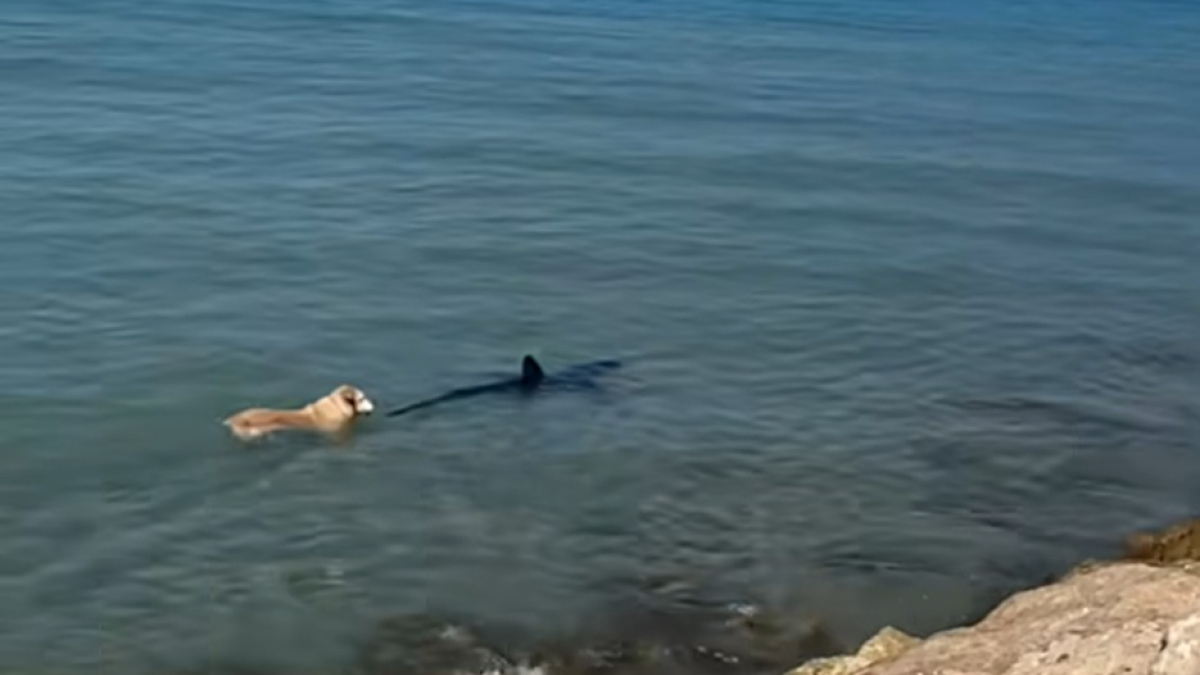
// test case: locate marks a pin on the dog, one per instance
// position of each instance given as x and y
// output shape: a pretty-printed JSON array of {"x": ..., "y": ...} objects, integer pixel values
[{"x": 333, "y": 414}]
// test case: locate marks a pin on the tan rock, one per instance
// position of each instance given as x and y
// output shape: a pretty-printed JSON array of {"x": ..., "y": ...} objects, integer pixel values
[
  {"x": 1182, "y": 652},
  {"x": 1120, "y": 619},
  {"x": 833, "y": 665},
  {"x": 887, "y": 644}
]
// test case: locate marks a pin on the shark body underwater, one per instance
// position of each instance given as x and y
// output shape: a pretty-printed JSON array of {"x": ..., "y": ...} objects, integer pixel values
[{"x": 531, "y": 379}]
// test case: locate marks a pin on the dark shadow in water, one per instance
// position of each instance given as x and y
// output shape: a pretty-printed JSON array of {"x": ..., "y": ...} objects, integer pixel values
[
  {"x": 230, "y": 667},
  {"x": 648, "y": 633},
  {"x": 1075, "y": 414},
  {"x": 532, "y": 379},
  {"x": 666, "y": 627},
  {"x": 430, "y": 644}
]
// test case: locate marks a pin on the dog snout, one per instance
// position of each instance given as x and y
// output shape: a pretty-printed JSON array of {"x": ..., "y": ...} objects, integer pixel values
[{"x": 364, "y": 405}]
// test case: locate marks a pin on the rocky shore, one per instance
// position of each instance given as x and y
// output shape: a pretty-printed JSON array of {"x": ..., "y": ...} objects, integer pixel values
[{"x": 1138, "y": 615}]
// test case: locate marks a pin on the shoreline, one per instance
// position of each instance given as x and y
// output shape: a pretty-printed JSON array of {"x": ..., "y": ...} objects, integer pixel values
[{"x": 1135, "y": 615}]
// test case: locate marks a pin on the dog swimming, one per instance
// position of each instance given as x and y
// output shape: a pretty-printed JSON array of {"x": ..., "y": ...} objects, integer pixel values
[{"x": 331, "y": 414}]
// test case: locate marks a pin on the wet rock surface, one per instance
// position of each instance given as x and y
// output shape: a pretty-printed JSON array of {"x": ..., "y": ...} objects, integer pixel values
[
  {"x": 1138, "y": 615},
  {"x": 730, "y": 640},
  {"x": 432, "y": 646},
  {"x": 886, "y": 645},
  {"x": 658, "y": 630},
  {"x": 1174, "y": 544}
]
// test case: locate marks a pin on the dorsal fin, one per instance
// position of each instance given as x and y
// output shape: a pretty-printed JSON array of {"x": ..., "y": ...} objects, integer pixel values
[{"x": 531, "y": 371}]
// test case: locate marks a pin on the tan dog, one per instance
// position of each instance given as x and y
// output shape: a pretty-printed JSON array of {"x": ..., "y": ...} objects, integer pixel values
[{"x": 333, "y": 414}]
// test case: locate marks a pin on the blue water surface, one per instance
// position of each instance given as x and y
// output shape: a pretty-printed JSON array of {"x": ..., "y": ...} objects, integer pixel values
[{"x": 907, "y": 294}]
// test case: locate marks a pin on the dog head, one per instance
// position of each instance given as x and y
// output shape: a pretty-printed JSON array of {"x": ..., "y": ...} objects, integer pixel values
[
  {"x": 342, "y": 405},
  {"x": 354, "y": 399}
]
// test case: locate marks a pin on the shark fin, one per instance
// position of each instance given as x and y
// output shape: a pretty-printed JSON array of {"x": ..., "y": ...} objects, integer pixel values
[{"x": 531, "y": 371}]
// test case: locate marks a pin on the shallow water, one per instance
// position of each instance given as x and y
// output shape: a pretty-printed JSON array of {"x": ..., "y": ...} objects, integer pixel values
[{"x": 907, "y": 300}]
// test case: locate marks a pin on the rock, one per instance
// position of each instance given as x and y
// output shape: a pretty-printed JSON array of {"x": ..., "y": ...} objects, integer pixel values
[
  {"x": 887, "y": 644},
  {"x": 671, "y": 628},
  {"x": 1174, "y": 544},
  {"x": 684, "y": 639},
  {"x": 1124, "y": 618},
  {"x": 834, "y": 665},
  {"x": 429, "y": 645},
  {"x": 1182, "y": 651}
]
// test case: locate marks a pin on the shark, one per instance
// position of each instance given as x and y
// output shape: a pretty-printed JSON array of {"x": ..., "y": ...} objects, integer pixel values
[{"x": 532, "y": 378}]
